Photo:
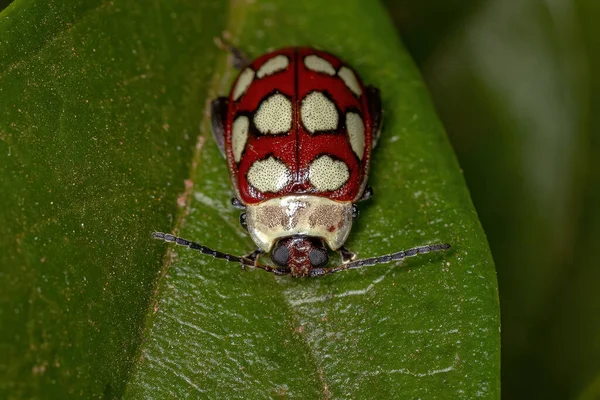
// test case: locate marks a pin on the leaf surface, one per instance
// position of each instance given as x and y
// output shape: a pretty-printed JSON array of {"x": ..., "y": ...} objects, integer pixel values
[
  {"x": 429, "y": 328},
  {"x": 104, "y": 118}
]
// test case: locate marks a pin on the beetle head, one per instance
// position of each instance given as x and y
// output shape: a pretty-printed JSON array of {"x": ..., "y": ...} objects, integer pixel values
[{"x": 298, "y": 255}]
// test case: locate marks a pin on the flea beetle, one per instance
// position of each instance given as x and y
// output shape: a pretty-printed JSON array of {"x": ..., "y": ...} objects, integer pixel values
[{"x": 297, "y": 131}]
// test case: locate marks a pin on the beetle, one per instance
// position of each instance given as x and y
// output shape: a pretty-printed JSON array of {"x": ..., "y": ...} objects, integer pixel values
[{"x": 297, "y": 131}]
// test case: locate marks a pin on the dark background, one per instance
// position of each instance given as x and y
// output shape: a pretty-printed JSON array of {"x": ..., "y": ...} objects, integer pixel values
[{"x": 516, "y": 85}]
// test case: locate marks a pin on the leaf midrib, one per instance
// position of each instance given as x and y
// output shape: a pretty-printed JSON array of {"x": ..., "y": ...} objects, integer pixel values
[{"x": 220, "y": 84}]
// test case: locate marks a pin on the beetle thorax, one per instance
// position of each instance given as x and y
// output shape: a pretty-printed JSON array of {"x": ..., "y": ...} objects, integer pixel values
[{"x": 299, "y": 215}]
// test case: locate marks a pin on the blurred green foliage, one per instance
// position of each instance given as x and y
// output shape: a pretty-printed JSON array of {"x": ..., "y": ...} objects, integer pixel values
[{"x": 517, "y": 86}]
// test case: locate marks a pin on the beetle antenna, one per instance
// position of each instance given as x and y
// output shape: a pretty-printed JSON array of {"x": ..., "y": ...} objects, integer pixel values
[
  {"x": 202, "y": 249},
  {"x": 240, "y": 59},
  {"x": 381, "y": 259}
]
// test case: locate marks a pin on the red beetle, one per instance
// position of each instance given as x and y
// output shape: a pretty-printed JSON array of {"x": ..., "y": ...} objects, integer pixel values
[{"x": 297, "y": 131}]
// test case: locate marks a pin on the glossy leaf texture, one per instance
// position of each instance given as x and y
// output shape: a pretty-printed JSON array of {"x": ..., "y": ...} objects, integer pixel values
[
  {"x": 99, "y": 113},
  {"x": 106, "y": 118}
]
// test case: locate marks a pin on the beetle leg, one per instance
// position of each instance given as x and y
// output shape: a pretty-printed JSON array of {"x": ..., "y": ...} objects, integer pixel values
[
  {"x": 240, "y": 59},
  {"x": 254, "y": 255},
  {"x": 367, "y": 194},
  {"x": 243, "y": 222},
  {"x": 355, "y": 212},
  {"x": 218, "y": 111},
  {"x": 347, "y": 255},
  {"x": 235, "y": 202},
  {"x": 374, "y": 102}
]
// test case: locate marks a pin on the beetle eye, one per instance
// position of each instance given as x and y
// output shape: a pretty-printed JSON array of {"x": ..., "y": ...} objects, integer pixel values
[
  {"x": 281, "y": 255},
  {"x": 318, "y": 257}
]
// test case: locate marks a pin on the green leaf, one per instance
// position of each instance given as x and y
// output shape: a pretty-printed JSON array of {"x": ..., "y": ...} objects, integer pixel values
[
  {"x": 99, "y": 123},
  {"x": 428, "y": 329},
  {"x": 99, "y": 113}
]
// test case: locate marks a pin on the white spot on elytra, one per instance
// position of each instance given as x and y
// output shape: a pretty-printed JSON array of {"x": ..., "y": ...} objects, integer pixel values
[
  {"x": 356, "y": 133},
  {"x": 274, "y": 115},
  {"x": 275, "y": 64},
  {"x": 243, "y": 82},
  {"x": 318, "y": 64},
  {"x": 318, "y": 113},
  {"x": 350, "y": 80},
  {"x": 270, "y": 175},
  {"x": 239, "y": 136},
  {"x": 327, "y": 174}
]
